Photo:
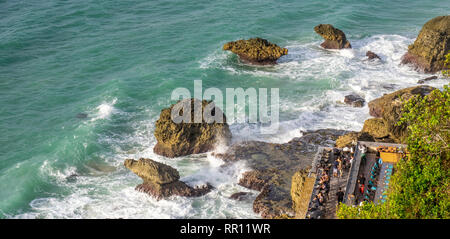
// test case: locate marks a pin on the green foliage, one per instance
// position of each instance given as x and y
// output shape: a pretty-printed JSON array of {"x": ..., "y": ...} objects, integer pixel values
[
  {"x": 420, "y": 187},
  {"x": 446, "y": 71}
]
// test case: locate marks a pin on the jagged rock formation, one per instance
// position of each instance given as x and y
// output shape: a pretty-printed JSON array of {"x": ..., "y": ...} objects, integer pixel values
[
  {"x": 273, "y": 167},
  {"x": 162, "y": 181},
  {"x": 334, "y": 38},
  {"x": 354, "y": 100},
  {"x": 433, "y": 43},
  {"x": 179, "y": 139},
  {"x": 256, "y": 51}
]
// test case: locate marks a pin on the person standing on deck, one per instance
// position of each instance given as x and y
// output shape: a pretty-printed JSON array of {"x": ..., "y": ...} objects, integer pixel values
[{"x": 340, "y": 196}]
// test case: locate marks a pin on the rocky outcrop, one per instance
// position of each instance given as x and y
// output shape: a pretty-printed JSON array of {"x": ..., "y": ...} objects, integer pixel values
[
  {"x": 179, "y": 139},
  {"x": 377, "y": 107},
  {"x": 387, "y": 111},
  {"x": 389, "y": 108},
  {"x": 354, "y": 100},
  {"x": 256, "y": 51},
  {"x": 162, "y": 181},
  {"x": 334, "y": 38},
  {"x": 273, "y": 166},
  {"x": 372, "y": 56},
  {"x": 429, "y": 49}
]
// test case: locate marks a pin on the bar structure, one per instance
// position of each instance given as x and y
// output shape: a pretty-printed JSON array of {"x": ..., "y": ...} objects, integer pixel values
[{"x": 365, "y": 178}]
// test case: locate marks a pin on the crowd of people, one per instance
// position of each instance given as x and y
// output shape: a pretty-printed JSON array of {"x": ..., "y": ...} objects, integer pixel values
[{"x": 327, "y": 169}]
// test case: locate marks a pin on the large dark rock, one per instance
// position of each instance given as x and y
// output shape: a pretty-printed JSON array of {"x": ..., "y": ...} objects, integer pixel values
[
  {"x": 179, "y": 139},
  {"x": 354, "y": 100},
  {"x": 162, "y": 181},
  {"x": 433, "y": 43},
  {"x": 256, "y": 51},
  {"x": 273, "y": 167},
  {"x": 334, "y": 38}
]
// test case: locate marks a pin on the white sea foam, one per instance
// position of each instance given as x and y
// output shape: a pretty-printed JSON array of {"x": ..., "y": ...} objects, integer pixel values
[{"x": 105, "y": 110}]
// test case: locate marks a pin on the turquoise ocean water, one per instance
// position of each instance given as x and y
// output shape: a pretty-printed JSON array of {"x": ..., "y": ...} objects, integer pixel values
[{"x": 118, "y": 62}]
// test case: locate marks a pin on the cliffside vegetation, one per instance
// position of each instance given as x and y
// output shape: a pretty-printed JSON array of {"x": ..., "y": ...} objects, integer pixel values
[{"x": 420, "y": 187}]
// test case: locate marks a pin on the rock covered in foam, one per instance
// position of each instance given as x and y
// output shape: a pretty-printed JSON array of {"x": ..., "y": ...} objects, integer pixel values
[
  {"x": 256, "y": 51},
  {"x": 179, "y": 139},
  {"x": 354, "y": 100},
  {"x": 162, "y": 181},
  {"x": 372, "y": 56},
  {"x": 432, "y": 44},
  {"x": 334, "y": 38}
]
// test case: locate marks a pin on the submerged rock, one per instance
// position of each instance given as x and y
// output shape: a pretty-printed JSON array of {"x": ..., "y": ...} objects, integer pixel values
[
  {"x": 427, "y": 79},
  {"x": 354, "y": 100},
  {"x": 82, "y": 115},
  {"x": 240, "y": 196},
  {"x": 162, "y": 181},
  {"x": 371, "y": 56},
  {"x": 179, "y": 139},
  {"x": 429, "y": 49},
  {"x": 334, "y": 38},
  {"x": 273, "y": 166},
  {"x": 256, "y": 51}
]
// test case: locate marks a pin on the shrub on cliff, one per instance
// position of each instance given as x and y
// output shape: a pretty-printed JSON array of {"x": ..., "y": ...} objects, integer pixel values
[
  {"x": 419, "y": 188},
  {"x": 446, "y": 71}
]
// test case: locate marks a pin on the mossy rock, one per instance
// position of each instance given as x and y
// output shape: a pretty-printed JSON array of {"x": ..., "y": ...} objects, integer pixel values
[
  {"x": 334, "y": 38},
  {"x": 152, "y": 171},
  {"x": 256, "y": 51},
  {"x": 432, "y": 44},
  {"x": 376, "y": 128},
  {"x": 161, "y": 180},
  {"x": 179, "y": 139}
]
